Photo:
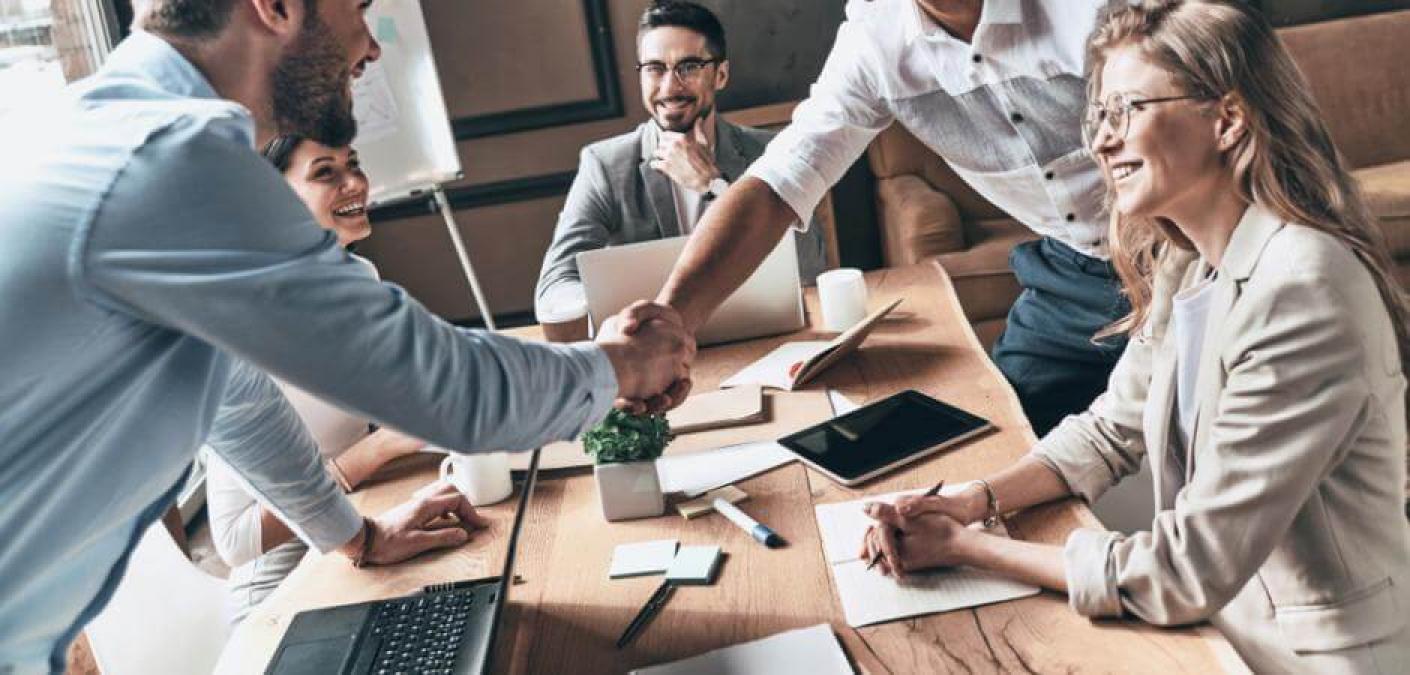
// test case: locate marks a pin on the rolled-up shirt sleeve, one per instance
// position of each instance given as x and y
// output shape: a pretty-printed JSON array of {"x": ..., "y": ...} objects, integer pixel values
[
  {"x": 271, "y": 456},
  {"x": 830, "y": 129},
  {"x": 251, "y": 272}
]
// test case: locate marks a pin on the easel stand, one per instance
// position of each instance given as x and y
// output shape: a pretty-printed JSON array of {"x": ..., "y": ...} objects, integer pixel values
[{"x": 443, "y": 204}]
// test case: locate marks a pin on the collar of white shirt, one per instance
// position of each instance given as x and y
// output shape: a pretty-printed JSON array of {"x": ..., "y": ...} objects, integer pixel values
[{"x": 918, "y": 24}]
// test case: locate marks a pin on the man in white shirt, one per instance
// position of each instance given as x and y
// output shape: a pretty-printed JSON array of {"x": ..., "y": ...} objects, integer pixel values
[
  {"x": 657, "y": 180},
  {"x": 996, "y": 88}
]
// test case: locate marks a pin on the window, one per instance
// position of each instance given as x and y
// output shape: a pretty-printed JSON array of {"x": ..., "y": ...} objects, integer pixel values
[{"x": 45, "y": 44}]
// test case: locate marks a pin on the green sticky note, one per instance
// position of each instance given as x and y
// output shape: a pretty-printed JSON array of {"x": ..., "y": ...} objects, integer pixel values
[{"x": 386, "y": 30}]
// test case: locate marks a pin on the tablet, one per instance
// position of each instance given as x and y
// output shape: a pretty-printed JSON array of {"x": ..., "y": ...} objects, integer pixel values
[{"x": 881, "y": 436}]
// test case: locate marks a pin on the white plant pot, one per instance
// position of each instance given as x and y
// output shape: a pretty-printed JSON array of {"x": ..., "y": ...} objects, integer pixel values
[{"x": 629, "y": 490}]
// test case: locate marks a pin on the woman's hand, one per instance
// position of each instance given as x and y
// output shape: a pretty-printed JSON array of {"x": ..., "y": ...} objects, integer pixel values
[
  {"x": 907, "y": 544},
  {"x": 389, "y": 444},
  {"x": 438, "y": 517},
  {"x": 969, "y": 505}
]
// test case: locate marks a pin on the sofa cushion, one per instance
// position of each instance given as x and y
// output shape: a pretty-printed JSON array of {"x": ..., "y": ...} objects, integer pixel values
[
  {"x": 1359, "y": 79},
  {"x": 981, "y": 275},
  {"x": 1387, "y": 191},
  {"x": 916, "y": 221}
]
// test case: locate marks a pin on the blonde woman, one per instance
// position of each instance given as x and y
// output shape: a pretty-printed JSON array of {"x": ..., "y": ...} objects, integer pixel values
[{"x": 1265, "y": 378}]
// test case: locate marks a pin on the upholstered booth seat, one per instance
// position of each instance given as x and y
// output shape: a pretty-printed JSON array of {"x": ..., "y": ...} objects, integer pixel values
[{"x": 925, "y": 211}]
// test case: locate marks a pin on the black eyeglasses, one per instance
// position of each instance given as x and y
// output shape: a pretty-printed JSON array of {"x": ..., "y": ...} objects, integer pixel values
[
  {"x": 1117, "y": 112},
  {"x": 685, "y": 69}
]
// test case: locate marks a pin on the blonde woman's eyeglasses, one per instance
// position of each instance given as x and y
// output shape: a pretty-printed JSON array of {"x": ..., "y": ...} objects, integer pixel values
[{"x": 1117, "y": 111}]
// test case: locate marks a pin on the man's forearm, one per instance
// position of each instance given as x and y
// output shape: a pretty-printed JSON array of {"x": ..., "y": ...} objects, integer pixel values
[{"x": 733, "y": 238}]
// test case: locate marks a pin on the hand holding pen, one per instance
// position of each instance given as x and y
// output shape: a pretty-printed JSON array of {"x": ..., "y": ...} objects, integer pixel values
[
  {"x": 931, "y": 539},
  {"x": 876, "y": 556}
]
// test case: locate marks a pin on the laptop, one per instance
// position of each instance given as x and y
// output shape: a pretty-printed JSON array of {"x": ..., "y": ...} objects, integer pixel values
[
  {"x": 448, "y": 628},
  {"x": 770, "y": 301}
]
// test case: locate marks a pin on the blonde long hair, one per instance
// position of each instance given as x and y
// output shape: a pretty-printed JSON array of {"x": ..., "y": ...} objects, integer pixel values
[{"x": 1286, "y": 161}]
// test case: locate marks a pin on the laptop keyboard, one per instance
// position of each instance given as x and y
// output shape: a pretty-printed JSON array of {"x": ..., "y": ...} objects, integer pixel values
[{"x": 421, "y": 634}]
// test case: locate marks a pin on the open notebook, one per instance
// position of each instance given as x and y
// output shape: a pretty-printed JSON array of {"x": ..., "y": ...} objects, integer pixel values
[{"x": 868, "y": 597}]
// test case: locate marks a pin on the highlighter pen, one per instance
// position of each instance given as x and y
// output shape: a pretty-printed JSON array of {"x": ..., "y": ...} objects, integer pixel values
[{"x": 755, "y": 529}]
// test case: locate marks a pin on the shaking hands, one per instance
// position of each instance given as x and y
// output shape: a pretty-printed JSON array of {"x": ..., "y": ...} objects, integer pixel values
[{"x": 651, "y": 351}]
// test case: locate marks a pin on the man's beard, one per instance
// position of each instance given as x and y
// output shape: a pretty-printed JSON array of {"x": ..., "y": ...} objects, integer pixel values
[
  {"x": 685, "y": 125},
  {"x": 310, "y": 88}
]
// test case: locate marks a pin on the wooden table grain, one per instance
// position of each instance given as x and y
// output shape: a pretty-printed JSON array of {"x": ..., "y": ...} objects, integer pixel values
[{"x": 566, "y": 615}]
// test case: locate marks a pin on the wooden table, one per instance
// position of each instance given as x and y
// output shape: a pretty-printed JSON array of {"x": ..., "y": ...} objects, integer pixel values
[{"x": 566, "y": 615}]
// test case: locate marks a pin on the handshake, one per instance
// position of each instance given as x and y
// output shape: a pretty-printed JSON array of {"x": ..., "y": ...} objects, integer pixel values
[{"x": 651, "y": 351}]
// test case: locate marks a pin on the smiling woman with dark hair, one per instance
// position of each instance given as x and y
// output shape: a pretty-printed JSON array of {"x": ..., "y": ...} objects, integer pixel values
[{"x": 250, "y": 537}]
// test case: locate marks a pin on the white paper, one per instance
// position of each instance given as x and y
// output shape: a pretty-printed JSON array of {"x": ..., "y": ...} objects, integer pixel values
[
  {"x": 374, "y": 106},
  {"x": 642, "y": 558},
  {"x": 868, "y": 597},
  {"x": 772, "y": 369},
  {"x": 699, "y": 472},
  {"x": 812, "y": 650}
]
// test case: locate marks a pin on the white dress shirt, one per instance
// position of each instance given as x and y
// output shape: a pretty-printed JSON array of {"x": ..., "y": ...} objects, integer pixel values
[{"x": 1004, "y": 111}]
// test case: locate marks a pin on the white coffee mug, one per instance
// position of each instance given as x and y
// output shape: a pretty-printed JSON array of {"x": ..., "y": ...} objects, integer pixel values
[
  {"x": 483, "y": 477},
  {"x": 842, "y": 293}
]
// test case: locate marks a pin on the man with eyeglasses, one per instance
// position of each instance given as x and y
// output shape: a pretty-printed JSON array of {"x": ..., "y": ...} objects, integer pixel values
[
  {"x": 997, "y": 89},
  {"x": 659, "y": 179}
]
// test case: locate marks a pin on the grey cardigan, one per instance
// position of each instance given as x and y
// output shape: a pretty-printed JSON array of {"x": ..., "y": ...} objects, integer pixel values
[{"x": 617, "y": 198}]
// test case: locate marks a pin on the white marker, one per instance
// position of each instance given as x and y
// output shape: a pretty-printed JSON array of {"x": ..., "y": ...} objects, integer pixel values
[{"x": 755, "y": 529}]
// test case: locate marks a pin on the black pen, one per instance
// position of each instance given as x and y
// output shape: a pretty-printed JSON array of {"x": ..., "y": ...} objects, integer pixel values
[
  {"x": 876, "y": 557},
  {"x": 652, "y": 606}
]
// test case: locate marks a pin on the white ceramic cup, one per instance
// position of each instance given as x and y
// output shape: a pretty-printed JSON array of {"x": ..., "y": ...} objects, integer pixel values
[
  {"x": 483, "y": 478},
  {"x": 842, "y": 293}
]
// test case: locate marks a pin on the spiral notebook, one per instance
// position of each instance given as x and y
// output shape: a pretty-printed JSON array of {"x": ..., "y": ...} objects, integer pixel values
[{"x": 868, "y": 597}]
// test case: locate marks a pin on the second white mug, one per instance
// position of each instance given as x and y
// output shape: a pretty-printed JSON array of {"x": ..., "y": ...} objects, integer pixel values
[
  {"x": 482, "y": 477},
  {"x": 842, "y": 294}
]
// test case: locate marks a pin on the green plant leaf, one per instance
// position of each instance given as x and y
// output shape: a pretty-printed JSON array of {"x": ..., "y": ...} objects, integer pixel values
[{"x": 623, "y": 437}]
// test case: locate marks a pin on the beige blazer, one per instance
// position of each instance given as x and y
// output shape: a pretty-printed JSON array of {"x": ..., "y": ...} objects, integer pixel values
[{"x": 1286, "y": 526}]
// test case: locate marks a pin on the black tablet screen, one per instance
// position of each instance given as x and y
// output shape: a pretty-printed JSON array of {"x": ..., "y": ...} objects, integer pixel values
[{"x": 881, "y": 433}]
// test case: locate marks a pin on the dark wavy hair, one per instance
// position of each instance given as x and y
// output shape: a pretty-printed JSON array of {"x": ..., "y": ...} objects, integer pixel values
[{"x": 280, "y": 149}]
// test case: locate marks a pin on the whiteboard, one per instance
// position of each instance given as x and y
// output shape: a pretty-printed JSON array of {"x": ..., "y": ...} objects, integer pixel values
[{"x": 404, "y": 137}]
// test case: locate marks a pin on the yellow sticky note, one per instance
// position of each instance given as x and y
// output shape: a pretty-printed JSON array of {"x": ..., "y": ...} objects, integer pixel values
[{"x": 702, "y": 505}]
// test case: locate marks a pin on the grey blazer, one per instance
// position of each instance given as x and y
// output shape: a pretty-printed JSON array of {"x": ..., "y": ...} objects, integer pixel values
[
  {"x": 617, "y": 198},
  {"x": 1283, "y": 524}
]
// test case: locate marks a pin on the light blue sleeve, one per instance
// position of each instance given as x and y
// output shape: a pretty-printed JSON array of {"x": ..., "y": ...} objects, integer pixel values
[
  {"x": 260, "y": 436},
  {"x": 202, "y": 237}
]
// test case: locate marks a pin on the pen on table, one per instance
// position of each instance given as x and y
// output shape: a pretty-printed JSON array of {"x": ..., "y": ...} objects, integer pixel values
[
  {"x": 876, "y": 557},
  {"x": 755, "y": 529},
  {"x": 652, "y": 606}
]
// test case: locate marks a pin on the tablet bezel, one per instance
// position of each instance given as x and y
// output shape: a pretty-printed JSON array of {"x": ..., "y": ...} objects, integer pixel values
[{"x": 982, "y": 425}]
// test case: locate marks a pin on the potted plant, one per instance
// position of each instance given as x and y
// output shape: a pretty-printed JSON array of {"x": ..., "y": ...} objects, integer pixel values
[{"x": 624, "y": 448}]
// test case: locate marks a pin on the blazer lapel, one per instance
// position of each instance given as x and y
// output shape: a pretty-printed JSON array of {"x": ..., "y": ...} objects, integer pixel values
[
  {"x": 658, "y": 186},
  {"x": 729, "y": 157},
  {"x": 1241, "y": 256},
  {"x": 1160, "y": 401}
]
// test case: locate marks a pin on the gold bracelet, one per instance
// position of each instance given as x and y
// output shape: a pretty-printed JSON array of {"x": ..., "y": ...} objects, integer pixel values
[
  {"x": 992, "y": 517},
  {"x": 368, "y": 530},
  {"x": 338, "y": 476}
]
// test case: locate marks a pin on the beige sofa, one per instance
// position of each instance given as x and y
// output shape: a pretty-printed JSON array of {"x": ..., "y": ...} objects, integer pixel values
[{"x": 1358, "y": 77}]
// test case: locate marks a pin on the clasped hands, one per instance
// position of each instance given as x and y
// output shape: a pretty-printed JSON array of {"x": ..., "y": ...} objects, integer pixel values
[
  {"x": 651, "y": 350},
  {"x": 918, "y": 532}
]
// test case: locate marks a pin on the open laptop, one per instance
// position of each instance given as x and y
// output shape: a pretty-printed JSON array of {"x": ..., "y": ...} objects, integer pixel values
[
  {"x": 770, "y": 301},
  {"x": 448, "y": 628}
]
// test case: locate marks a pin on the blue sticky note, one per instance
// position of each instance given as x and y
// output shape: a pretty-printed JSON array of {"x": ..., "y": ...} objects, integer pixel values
[{"x": 386, "y": 30}]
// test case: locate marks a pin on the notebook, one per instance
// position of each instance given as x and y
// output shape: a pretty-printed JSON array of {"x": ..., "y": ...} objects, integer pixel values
[
  {"x": 792, "y": 364},
  {"x": 813, "y": 650},
  {"x": 868, "y": 597}
]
